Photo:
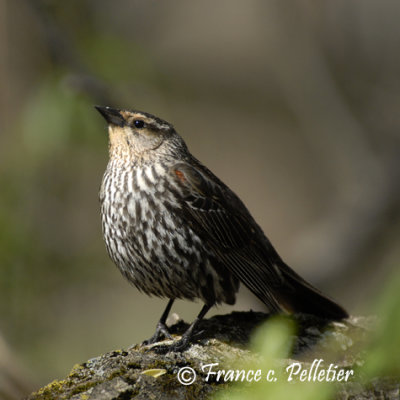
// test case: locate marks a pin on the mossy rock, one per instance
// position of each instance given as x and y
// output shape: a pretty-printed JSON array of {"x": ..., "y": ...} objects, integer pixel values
[{"x": 140, "y": 373}]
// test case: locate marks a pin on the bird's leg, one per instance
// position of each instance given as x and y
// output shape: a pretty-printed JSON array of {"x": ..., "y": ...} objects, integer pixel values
[
  {"x": 184, "y": 341},
  {"x": 161, "y": 328}
]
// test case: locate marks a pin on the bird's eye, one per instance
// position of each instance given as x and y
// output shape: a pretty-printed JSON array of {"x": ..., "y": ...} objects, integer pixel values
[{"x": 138, "y": 123}]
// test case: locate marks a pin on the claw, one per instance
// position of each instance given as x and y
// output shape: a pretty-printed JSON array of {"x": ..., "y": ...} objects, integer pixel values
[
  {"x": 176, "y": 347},
  {"x": 160, "y": 333}
]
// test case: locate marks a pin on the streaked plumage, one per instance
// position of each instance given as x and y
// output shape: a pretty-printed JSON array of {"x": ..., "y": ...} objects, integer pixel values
[{"x": 176, "y": 231}]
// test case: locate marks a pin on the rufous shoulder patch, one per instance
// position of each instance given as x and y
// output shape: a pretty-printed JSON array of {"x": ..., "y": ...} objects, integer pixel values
[{"x": 180, "y": 175}]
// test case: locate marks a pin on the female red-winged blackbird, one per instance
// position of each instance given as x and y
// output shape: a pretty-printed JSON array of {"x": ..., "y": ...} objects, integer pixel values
[{"x": 175, "y": 230}]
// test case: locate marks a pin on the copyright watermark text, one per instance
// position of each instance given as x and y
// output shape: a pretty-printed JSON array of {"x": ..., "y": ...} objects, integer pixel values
[{"x": 316, "y": 372}]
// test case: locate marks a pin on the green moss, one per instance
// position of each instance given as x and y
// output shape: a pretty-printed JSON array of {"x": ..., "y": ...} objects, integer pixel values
[
  {"x": 83, "y": 388},
  {"x": 51, "y": 390},
  {"x": 116, "y": 373},
  {"x": 76, "y": 371}
]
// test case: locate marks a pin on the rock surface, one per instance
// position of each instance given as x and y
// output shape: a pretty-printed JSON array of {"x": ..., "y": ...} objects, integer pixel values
[{"x": 140, "y": 373}]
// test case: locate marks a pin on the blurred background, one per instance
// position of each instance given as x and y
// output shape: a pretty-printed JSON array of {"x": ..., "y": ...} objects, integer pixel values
[{"x": 295, "y": 105}]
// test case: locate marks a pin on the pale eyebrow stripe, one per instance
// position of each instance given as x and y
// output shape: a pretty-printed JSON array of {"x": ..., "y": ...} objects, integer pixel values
[{"x": 152, "y": 122}]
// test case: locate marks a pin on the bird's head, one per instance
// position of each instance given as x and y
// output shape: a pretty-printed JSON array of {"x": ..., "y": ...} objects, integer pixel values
[{"x": 138, "y": 133}]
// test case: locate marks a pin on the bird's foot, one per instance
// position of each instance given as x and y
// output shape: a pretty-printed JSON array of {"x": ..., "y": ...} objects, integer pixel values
[
  {"x": 160, "y": 333},
  {"x": 176, "y": 347},
  {"x": 179, "y": 345}
]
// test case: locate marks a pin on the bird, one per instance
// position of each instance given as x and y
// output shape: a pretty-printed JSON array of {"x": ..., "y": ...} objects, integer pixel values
[{"x": 176, "y": 231}]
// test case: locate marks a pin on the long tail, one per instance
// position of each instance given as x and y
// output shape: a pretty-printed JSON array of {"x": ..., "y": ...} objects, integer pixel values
[{"x": 297, "y": 295}]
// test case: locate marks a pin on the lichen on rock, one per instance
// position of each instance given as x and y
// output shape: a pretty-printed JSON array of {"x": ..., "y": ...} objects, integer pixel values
[{"x": 140, "y": 373}]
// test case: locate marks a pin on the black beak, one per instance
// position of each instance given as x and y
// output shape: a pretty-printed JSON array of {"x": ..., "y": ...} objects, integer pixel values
[{"x": 111, "y": 115}]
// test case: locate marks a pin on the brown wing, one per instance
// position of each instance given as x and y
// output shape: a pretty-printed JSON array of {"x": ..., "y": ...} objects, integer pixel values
[{"x": 225, "y": 225}]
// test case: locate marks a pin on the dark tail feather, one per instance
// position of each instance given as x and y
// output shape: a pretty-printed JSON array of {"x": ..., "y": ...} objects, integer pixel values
[{"x": 301, "y": 297}]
